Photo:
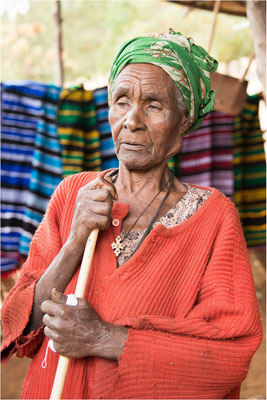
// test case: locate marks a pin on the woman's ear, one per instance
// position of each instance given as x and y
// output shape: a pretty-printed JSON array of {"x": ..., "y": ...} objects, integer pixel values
[
  {"x": 184, "y": 124},
  {"x": 177, "y": 144}
]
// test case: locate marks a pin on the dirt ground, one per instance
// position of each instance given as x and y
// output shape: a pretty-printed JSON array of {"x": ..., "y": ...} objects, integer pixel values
[{"x": 254, "y": 387}]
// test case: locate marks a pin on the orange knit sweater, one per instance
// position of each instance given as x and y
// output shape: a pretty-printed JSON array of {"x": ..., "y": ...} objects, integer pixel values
[{"x": 187, "y": 295}]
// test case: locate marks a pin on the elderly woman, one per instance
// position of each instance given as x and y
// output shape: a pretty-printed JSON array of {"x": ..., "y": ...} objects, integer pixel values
[{"x": 170, "y": 308}]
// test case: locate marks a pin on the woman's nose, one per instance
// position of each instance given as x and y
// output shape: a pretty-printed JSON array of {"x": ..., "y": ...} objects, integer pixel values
[{"x": 133, "y": 120}]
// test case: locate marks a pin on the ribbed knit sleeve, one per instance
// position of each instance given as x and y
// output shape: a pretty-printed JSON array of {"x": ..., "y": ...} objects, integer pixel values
[
  {"x": 18, "y": 304},
  {"x": 207, "y": 353},
  {"x": 45, "y": 245}
]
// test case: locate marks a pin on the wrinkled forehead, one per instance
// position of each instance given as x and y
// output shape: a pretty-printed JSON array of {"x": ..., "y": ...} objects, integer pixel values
[{"x": 149, "y": 77}]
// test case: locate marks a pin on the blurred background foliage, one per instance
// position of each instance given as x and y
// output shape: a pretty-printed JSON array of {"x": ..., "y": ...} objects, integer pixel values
[{"x": 93, "y": 31}]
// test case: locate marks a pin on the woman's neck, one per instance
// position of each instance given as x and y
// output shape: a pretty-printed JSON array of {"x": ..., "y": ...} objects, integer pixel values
[
  {"x": 145, "y": 190},
  {"x": 142, "y": 181}
]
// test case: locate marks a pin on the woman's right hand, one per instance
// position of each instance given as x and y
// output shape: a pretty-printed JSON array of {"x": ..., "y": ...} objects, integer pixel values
[{"x": 92, "y": 209}]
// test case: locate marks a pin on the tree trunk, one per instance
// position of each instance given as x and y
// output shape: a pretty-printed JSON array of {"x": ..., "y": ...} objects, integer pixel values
[
  {"x": 256, "y": 13},
  {"x": 58, "y": 45}
]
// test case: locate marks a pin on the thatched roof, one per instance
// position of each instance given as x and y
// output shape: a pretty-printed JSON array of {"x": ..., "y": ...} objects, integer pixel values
[{"x": 228, "y": 7}]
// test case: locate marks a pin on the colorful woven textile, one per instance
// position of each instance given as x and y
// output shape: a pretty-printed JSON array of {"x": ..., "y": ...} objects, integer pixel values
[
  {"x": 108, "y": 155},
  {"x": 21, "y": 108},
  {"x": 206, "y": 157},
  {"x": 77, "y": 130},
  {"x": 250, "y": 173},
  {"x": 46, "y": 172}
]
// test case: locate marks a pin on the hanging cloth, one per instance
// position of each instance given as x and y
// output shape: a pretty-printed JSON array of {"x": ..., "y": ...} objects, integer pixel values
[
  {"x": 250, "y": 173},
  {"x": 46, "y": 171},
  {"x": 206, "y": 157},
  {"x": 108, "y": 155},
  {"x": 21, "y": 108},
  {"x": 77, "y": 130}
]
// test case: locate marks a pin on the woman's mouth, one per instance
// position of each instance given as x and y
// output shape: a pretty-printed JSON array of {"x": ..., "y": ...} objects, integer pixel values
[{"x": 132, "y": 146}]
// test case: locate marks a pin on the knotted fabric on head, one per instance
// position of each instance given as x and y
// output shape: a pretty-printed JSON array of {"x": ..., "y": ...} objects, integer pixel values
[{"x": 186, "y": 63}]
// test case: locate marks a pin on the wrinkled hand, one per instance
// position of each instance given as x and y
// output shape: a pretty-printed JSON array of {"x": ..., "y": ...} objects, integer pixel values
[
  {"x": 78, "y": 331},
  {"x": 93, "y": 206}
]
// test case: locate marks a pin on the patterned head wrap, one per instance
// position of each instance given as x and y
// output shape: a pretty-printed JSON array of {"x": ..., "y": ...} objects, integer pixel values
[{"x": 186, "y": 63}]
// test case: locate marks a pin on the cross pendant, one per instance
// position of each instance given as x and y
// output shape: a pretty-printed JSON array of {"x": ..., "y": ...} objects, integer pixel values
[{"x": 117, "y": 246}]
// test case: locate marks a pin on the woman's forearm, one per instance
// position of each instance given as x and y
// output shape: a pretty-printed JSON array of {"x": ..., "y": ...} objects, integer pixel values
[
  {"x": 93, "y": 206},
  {"x": 58, "y": 274}
]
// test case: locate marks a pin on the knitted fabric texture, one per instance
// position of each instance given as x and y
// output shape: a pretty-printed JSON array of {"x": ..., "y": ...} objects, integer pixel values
[{"x": 187, "y": 296}]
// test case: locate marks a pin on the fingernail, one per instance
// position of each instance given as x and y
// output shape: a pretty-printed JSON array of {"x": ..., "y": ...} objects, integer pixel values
[{"x": 56, "y": 292}]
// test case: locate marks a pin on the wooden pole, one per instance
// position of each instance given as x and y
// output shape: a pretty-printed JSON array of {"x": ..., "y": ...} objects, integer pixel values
[
  {"x": 63, "y": 362},
  {"x": 58, "y": 43},
  {"x": 251, "y": 58},
  {"x": 256, "y": 13},
  {"x": 215, "y": 14}
]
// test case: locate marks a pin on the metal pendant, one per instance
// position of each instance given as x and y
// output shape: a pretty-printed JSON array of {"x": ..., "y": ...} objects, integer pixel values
[{"x": 117, "y": 246}]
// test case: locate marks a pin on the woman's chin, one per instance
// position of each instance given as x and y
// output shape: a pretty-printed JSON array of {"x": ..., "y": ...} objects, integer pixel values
[{"x": 136, "y": 162}]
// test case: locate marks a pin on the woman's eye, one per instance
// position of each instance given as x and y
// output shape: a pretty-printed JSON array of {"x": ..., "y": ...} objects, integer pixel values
[
  {"x": 122, "y": 102},
  {"x": 154, "y": 107}
]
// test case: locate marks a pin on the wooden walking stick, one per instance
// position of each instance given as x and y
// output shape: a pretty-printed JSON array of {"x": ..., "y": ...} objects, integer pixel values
[{"x": 63, "y": 362}]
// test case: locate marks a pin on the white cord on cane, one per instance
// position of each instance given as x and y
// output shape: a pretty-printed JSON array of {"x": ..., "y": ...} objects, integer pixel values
[{"x": 72, "y": 300}]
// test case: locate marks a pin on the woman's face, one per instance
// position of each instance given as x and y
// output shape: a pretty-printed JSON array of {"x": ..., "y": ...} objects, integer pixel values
[{"x": 145, "y": 121}]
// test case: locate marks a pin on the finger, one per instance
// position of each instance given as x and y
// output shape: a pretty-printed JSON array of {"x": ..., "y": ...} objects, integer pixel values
[
  {"x": 83, "y": 302},
  {"x": 46, "y": 307},
  {"x": 101, "y": 221},
  {"x": 102, "y": 183},
  {"x": 59, "y": 349},
  {"x": 96, "y": 221},
  {"x": 113, "y": 190},
  {"x": 101, "y": 208},
  {"x": 63, "y": 349},
  {"x": 58, "y": 297},
  {"x": 101, "y": 195},
  {"x": 48, "y": 320},
  {"x": 52, "y": 334},
  {"x": 52, "y": 308},
  {"x": 48, "y": 332},
  {"x": 109, "y": 180},
  {"x": 56, "y": 323}
]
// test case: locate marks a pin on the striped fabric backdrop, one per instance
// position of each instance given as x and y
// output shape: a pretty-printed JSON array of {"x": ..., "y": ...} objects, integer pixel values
[
  {"x": 21, "y": 108},
  {"x": 48, "y": 133},
  {"x": 250, "y": 173},
  {"x": 77, "y": 130},
  {"x": 46, "y": 170},
  {"x": 206, "y": 157},
  {"x": 108, "y": 156}
]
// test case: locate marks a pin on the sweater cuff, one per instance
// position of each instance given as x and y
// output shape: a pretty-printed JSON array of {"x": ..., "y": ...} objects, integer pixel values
[
  {"x": 132, "y": 378},
  {"x": 16, "y": 312},
  {"x": 28, "y": 345},
  {"x": 24, "y": 345}
]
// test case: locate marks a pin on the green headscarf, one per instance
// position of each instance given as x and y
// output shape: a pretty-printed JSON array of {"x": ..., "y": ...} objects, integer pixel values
[{"x": 186, "y": 63}]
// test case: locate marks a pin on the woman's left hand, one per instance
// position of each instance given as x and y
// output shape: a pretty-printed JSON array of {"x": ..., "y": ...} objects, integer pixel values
[{"x": 78, "y": 331}]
